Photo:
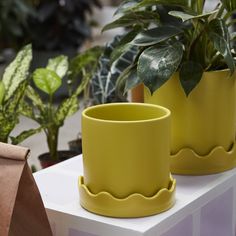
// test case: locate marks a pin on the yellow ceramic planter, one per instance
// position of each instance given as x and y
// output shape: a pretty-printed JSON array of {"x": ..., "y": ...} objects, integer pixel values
[
  {"x": 203, "y": 124},
  {"x": 126, "y": 160}
]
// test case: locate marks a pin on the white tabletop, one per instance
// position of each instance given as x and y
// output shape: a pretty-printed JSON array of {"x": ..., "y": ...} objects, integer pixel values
[{"x": 59, "y": 189}]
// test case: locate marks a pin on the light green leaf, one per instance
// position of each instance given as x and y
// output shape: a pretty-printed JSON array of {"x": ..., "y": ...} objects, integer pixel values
[
  {"x": 156, "y": 64},
  {"x": 67, "y": 108},
  {"x": 155, "y": 35},
  {"x": 185, "y": 16},
  {"x": 132, "y": 18},
  {"x": 46, "y": 80},
  {"x": 17, "y": 71},
  {"x": 2, "y": 92},
  {"x": 35, "y": 98},
  {"x": 222, "y": 47},
  {"x": 24, "y": 135},
  {"x": 126, "y": 5},
  {"x": 190, "y": 75},
  {"x": 59, "y": 65}
]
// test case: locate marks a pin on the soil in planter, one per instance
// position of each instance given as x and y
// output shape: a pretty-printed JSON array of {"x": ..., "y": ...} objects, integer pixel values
[{"x": 46, "y": 161}]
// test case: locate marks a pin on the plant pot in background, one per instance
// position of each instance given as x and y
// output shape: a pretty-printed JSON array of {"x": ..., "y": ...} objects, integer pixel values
[
  {"x": 46, "y": 161},
  {"x": 203, "y": 124},
  {"x": 129, "y": 165}
]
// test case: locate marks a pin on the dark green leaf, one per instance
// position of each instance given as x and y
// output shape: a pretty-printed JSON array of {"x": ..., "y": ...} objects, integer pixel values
[
  {"x": 59, "y": 65},
  {"x": 222, "y": 47},
  {"x": 124, "y": 46},
  {"x": 132, "y": 18},
  {"x": 230, "y": 5},
  {"x": 219, "y": 27},
  {"x": 17, "y": 71},
  {"x": 46, "y": 80},
  {"x": 190, "y": 75},
  {"x": 155, "y": 35},
  {"x": 156, "y": 64},
  {"x": 24, "y": 135}
]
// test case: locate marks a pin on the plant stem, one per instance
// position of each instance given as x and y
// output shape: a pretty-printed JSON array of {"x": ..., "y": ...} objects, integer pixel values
[{"x": 52, "y": 141}]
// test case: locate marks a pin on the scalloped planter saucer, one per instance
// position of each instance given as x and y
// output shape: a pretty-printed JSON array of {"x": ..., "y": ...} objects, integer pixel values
[
  {"x": 104, "y": 203},
  {"x": 188, "y": 162}
]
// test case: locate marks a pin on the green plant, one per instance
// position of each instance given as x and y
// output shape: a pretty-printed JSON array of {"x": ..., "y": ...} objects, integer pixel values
[
  {"x": 12, "y": 89},
  {"x": 47, "y": 114},
  {"x": 14, "y": 17},
  {"x": 61, "y": 25},
  {"x": 175, "y": 35},
  {"x": 103, "y": 83}
]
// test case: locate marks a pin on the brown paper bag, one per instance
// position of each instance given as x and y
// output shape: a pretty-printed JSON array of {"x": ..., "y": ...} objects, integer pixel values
[{"x": 22, "y": 212}]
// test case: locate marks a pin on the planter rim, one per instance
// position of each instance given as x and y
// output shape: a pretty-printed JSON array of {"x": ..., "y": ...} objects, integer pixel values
[{"x": 166, "y": 112}]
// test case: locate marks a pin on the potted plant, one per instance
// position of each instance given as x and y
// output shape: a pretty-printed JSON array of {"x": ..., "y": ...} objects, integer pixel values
[
  {"x": 186, "y": 62},
  {"x": 46, "y": 113},
  {"x": 12, "y": 89}
]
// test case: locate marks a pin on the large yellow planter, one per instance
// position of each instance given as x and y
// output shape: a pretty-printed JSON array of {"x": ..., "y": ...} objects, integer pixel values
[
  {"x": 203, "y": 124},
  {"x": 126, "y": 157}
]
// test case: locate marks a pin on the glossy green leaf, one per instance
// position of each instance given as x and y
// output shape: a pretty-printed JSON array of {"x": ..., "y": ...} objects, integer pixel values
[
  {"x": 2, "y": 92},
  {"x": 46, "y": 80},
  {"x": 17, "y": 71},
  {"x": 156, "y": 64},
  {"x": 59, "y": 65},
  {"x": 222, "y": 47},
  {"x": 124, "y": 46},
  {"x": 155, "y": 35},
  {"x": 190, "y": 75},
  {"x": 131, "y": 18},
  {"x": 186, "y": 16}
]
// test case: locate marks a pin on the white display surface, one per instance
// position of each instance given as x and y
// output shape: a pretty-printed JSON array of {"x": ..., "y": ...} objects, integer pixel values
[{"x": 205, "y": 206}]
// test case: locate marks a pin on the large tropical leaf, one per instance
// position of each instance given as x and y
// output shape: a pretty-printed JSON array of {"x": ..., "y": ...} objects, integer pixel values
[
  {"x": 103, "y": 84},
  {"x": 190, "y": 75},
  {"x": 46, "y": 80},
  {"x": 157, "y": 63},
  {"x": 155, "y": 35},
  {"x": 59, "y": 65},
  {"x": 35, "y": 99},
  {"x": 17, "y": 71}
]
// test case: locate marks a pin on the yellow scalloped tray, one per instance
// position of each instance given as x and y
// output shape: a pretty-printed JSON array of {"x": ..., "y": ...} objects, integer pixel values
[
  {"x": 188, "y": 162},
  {"x": 135, "y": 205}
]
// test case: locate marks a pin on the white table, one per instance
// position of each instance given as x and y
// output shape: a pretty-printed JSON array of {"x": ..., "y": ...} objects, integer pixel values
[{"x": 205, "y": 206}]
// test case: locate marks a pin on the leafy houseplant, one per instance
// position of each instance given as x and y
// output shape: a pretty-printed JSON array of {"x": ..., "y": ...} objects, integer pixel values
[
  {"x": 48, "y": 115},
  {"x": 186, "y": 60},
  {"x": 12, "y": 89},
  {"x": 61, "y": 25}
]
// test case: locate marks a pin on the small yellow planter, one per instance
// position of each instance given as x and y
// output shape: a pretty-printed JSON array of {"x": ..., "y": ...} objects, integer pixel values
[
  {"x": 203, "y": 124},
  {"x": 126, "y": 160}
]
